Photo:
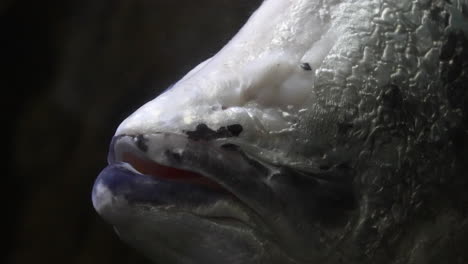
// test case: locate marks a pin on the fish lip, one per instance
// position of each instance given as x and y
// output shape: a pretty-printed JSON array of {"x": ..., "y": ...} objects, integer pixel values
[{"x": 254, "y": 219}]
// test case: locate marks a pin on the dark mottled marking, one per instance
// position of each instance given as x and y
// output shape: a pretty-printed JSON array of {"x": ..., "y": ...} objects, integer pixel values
[
  {"x": 306, "y": 66},
  {"x": 140, "y": 142},
  {"x": 230, "y": 147},
  {"x": 235, "y": 129},
  {"x": 222, "y": 132},
  {"x": 203, "y": 132}
]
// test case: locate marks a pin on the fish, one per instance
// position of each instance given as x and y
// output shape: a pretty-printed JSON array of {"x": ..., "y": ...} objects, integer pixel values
[{"x": 322, "y": 132}]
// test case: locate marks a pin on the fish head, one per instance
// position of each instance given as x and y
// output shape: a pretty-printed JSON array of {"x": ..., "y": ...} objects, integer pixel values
[{"x": 267, "y": 152}]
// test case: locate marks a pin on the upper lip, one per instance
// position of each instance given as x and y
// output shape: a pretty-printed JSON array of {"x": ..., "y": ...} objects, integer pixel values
[
  {"x": 201, "y": 163},
  {"x": 169, "y": 158},
  {"x": 218, "y": 161}
]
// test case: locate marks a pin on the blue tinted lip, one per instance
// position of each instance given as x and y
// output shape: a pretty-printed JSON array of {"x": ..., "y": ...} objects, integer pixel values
[{"x": 124, "y": 181}]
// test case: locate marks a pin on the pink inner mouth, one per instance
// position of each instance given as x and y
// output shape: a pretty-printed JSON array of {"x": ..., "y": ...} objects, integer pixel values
[{"x": 154, "y": 169}]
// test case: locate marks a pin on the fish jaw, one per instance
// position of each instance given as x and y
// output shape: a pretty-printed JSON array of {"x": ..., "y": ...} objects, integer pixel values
[
  {"x": 148, "y": 217},
  {"x": 174, "y": 217},
  {"x": 210, "y": 189}
]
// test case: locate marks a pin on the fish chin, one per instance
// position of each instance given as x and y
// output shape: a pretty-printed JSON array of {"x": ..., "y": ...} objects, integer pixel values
[{"x": 180, "y": 201}]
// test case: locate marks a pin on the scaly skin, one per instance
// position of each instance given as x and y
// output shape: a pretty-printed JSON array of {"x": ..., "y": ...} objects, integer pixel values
[{"x": 339, "y": 126}]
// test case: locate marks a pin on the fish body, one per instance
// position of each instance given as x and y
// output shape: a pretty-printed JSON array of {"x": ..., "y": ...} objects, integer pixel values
[{"x": 313, "y": 136}]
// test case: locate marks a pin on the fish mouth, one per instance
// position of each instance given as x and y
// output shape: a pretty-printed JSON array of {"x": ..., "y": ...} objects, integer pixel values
[
  {"x": 211, "y": 180},
  {"x": 182, "y": 187}
]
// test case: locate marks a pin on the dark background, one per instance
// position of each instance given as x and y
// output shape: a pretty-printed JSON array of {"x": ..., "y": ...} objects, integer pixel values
[{"x": 74, "y": 70}]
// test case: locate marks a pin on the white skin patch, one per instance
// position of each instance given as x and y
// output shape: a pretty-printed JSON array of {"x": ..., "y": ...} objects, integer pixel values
[
  {"x": 259, "y": 70},
  {"x": 257, "y": 80}
]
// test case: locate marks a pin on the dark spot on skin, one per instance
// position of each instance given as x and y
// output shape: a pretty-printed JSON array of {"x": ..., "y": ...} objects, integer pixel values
[
  {"x": 306, "y": 66},
  {"x": 224, "y": 107},
  {"x": 230, "y": 147},
  {"x": 222, "y": 132},
  {"x": 140, "y": 142},
  {"x": 235, "y": 129},
  {"x": 203, "y": 132}
]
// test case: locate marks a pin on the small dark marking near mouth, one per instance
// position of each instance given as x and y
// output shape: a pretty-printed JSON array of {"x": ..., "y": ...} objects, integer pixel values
[
  {"x": 203, "y": 132},
  {"x": 235, "y": 129},
  {"x": 140, "y": 142},
  {"x": 223, "y": 132},
  {"x": 306, "y": 66}
]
